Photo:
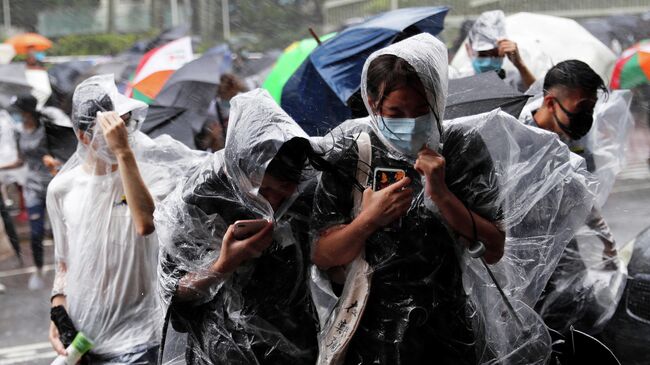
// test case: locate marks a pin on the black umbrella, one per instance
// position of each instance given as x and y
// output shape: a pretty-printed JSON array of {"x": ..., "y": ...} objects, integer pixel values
[
  {"x": 482, "y": 93},
  {"x": 181, "y": 107},
  {"x": 63, "y": 77},
  {"x": 122, "y": 66},
  {"x": 180, "y": 123}
]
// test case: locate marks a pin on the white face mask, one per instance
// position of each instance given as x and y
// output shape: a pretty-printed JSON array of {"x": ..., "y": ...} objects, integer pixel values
[{"x": 409, "y": 135}]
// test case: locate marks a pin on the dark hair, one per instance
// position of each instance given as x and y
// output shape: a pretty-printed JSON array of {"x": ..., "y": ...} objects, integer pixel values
[
  {"x": 85, "y": 114},
  {"x": 388, "y": 73},
  {"x": 290, "y": 160},
  {"x": 574, "y": 75},
  {"x": 26, "y": 103},
  {"x": 293, "y": 157}
]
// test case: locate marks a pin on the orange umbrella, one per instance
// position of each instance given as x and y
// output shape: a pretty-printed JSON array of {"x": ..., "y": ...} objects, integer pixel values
[{"x": 23, "y": 43}]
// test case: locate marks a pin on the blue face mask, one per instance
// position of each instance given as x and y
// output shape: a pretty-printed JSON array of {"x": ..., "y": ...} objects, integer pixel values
[
  {"x": 409, "y": 135},
  {"x": 485, "y": 64},
  {"x": 17, "y": 117}
]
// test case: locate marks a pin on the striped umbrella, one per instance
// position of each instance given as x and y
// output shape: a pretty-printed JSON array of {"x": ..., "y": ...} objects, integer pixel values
[{"x": 633, "y": 67}]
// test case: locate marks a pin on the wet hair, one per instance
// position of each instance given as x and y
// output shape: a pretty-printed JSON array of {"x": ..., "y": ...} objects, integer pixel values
[
  {"x": 27, "y": 103},
  {"x": 574, "y": 75},
  {"x": 290, "y": 160},
  {"x": 85, "y": 114},
  {"x": 230, "y": 84},
  {"x": 388, "y": 73},
  {"x": 295, "y": 156}
]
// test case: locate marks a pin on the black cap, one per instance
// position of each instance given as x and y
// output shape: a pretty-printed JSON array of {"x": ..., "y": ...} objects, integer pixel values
[{"x": 25, "y": 102}]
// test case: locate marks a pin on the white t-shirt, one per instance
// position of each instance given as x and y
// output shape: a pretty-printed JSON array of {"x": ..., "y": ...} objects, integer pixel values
[{"x": 111, "y": 270}]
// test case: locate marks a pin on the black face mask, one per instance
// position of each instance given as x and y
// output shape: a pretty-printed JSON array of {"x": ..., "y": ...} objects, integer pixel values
[{"x": 580, "y": 122}]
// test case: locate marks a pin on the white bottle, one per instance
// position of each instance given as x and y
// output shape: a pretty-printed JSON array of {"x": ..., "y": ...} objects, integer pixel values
[{"x": 79, "y": 346}]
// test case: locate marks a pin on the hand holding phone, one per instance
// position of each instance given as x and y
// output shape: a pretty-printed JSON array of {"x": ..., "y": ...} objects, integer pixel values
[
  {"x": 390, "y": 201},
  {"x": 247, "y": 228},
  {"x": 255, "y": 237}
]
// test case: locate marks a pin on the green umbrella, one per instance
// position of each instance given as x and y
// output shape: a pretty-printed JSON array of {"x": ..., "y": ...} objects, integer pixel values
[{"x": 288, "y": 63}]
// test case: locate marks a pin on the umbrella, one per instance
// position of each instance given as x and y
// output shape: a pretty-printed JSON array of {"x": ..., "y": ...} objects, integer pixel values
[
  {"x": 292, "y": 57},
  {"x": 482, "y": 93},
  {"x": 318, "y": 93},
  {"x": 164, "y": 37},
  {"x": 181, "y": 107},
  {"x": 23, "y": 43},
  {"x": 544, "y": 41},
  {"x": 156, "y": 67},
  {"x": 180, "y": 123},
  {"x": 122, "y": 66},
  {"x": 633, "y": 67},
  {"x": 62, "y": 78},
  {"x": 12, "y": 82}
]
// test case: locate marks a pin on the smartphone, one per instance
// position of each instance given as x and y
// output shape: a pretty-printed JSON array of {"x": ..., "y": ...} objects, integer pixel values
[
  {"x": 248, "y": 228},
  {"x": 384, "y": 177}
]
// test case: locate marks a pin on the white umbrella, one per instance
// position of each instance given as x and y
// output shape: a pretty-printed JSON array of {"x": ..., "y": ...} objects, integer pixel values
[{"x": 544, "y": 41}]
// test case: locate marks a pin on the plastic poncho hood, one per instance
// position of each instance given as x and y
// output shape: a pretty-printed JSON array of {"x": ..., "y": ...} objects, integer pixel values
[
  {"x": 257, "y": 130},
  {"x": 489, "y": 28},
  {"x": 428, "y": 57},
  {"x": 99, "y": 94}
]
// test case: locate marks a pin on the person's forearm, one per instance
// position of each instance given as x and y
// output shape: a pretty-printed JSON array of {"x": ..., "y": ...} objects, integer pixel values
[
  {"x": 58, "y": 299},
  {"x": 194, "y": 286},
  {"x": 341, "y": 245},
  {"x": 138, "y": 197},
  {"x": 457, "y": 216},
  {"x": 527, "y": 77},
  {"x": 13, "y": 165}
]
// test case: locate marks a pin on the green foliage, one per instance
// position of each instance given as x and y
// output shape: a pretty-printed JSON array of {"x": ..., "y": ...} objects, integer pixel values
[{"x": 93, "y": 44}]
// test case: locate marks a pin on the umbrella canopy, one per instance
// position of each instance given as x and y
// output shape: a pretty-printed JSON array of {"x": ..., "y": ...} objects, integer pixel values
[
  {"x": 194, "y": 85},
  {"x": 12, "y": 82},
  {"x": 181, "y": 107},
  {"x": 633, "y": 67},
  {"x": 544, "y": 41},
  {"x": 287, "y": 64},
  {"x": 157, "y": 66},
  {"x": 318, "y": 93},
  {"x": 63, "y": 77},
  {"x": 23, "y": 43},
  {"x": 122, "y": 66},
  {"x": 180, "y": 123},
  {"x": 482, "y": 93}
]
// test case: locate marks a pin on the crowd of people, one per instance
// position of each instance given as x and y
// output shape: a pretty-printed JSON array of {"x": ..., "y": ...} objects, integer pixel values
[{"x": 276, "y": 247}]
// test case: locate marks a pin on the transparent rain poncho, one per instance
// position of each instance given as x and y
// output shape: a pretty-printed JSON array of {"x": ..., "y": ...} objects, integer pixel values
[
  {"x": 487, "y": 30},
  {"x": 260, "y": 313},
  {"x": 105, "y": 269},
  {"x": 587, "y": 284},
  {"x": 426, "y": 293}
]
